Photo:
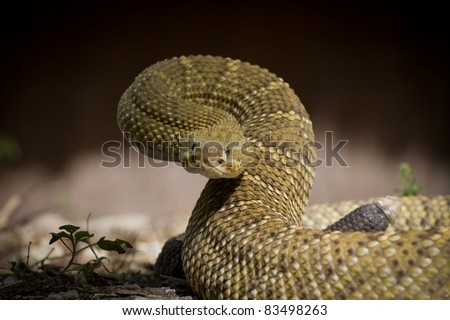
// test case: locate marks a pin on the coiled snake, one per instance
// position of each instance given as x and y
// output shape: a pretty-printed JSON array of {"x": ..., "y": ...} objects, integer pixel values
[{"x": 245, "y": 239}]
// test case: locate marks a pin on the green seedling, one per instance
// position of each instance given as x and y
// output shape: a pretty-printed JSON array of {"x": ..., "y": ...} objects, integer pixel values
[
  {"x": 409, "y": 185},
  {"x": 76, "y": 241}
]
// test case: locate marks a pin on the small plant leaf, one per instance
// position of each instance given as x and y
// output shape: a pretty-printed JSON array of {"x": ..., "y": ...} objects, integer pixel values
[
  {"x": 58, "y": 236},
  {"x": 87, "y": 269},
  {"x": 116, "y": 245},
  {"x": 69, "y": 228},
  {"x": 83, "y": 235},
  {"x": 18, "y": 268},
  {"x": 100, "y": 259},
  {"x": 98, "y": 262},
  {"x": 409, "y": 185}
]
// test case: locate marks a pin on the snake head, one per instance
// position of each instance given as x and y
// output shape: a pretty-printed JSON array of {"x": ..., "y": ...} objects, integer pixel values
[{"x": 213, "y": 153}]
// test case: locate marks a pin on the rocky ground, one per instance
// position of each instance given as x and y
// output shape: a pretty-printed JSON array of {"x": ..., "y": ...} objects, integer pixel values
[{"x": 49, "y": 283}]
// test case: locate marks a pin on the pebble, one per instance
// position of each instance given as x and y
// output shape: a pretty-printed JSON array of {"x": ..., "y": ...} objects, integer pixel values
[{"x": 68, "y": 295}]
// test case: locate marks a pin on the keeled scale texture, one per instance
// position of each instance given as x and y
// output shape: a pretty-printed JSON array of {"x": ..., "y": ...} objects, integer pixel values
[{"x": 244, "y": 239}]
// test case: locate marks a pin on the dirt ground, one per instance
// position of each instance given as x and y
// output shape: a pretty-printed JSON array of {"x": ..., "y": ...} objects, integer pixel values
[{"x": 48, "y": 283}]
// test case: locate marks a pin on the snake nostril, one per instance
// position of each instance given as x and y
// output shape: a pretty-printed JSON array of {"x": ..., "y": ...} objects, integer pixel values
[{"x": 220, "y": 161}]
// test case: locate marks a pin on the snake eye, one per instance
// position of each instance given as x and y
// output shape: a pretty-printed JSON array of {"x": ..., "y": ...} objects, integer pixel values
[
  {"x": 220, "y": 161},
  {"x": 227, "y": 151}
]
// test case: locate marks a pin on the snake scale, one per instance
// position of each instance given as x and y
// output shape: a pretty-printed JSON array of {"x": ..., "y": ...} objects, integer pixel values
[{"x": 245, "y": 238}]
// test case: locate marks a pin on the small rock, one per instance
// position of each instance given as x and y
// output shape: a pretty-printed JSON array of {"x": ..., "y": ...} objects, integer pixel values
[
  {"x": 11, "y": 280},
  {"x": 131, "y": 286},
  {"x": 70, "y": 295},
  {"x": 54, "y": 296}
]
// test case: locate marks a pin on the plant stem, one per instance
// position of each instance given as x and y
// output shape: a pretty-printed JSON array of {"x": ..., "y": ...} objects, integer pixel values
[
  {"x": 91, "y": 245},
  {"x": 65, "y": 245},
  {"x": 28, "y": 253},
  {"x": 73, "y": 251}
]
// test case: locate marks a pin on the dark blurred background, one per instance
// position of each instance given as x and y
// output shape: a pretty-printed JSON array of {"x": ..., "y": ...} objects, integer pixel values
[
  {"x": 375, "y": 73},
  {"x": 374, "y": 68}
]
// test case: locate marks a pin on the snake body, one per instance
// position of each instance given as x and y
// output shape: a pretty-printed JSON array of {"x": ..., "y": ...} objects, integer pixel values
[{"x": 246, "y": 238}]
